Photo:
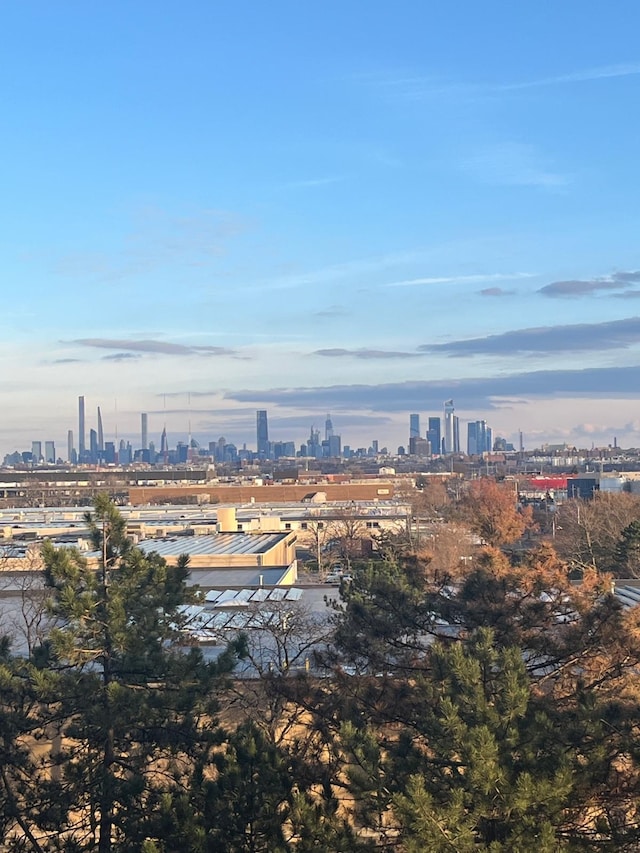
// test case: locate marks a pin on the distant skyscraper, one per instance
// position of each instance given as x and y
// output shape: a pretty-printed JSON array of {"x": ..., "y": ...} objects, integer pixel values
[
  {"x": 335, "y": 445},
  {"x": 36, "y": 450},
  {"x": 100, "y": 432},
  {"x": 50, "y": 452},
  {"x": 262, "y": 433},
  {"x": 434, "y": 436},
  {"x": 314, "y": 448},
  {"x": 144, "y": 431},
  {"x": 93, "y": 445},
  {"x": 164, "y": 445},
  {"x": 414, "y": 433},
  {"x": 472, "y": 438},
  {"x": 420, "y": 447},
  {"x": 328, "y": 428},
  {"x": 71, "y": 454},
  {"x": 81, "y": 430},
  {"x": 479, "y": 438},
  {"x": 449, "y": 429},
  {"x": 414, "y": 427}
]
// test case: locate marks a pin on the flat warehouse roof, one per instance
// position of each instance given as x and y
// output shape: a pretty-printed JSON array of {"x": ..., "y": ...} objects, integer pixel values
[
  {"x": 228, "y": 578},
  {"x": 219, "y": 544}
]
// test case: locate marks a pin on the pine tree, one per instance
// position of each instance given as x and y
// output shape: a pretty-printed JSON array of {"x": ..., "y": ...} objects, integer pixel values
[
  {"x": 261, "y": 800},
  {"x": 32, "y": 803},
  {"x": 515, "y": 731},
  {"x": 484, "y": 771},
  {"x": 246, "y": 806},
  {"x": 137, "y": 709},
  {"x": 627, "y": 552}
]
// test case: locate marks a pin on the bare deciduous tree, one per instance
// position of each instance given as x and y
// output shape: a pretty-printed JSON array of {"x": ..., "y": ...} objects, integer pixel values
[
  {"x": 348, "y": 530},
  {"x": 280, "y": 639},
  {"x": 25, "y": 617},
  {"x": 587, "y": 532},
  {"x": 318, "y": 535}
]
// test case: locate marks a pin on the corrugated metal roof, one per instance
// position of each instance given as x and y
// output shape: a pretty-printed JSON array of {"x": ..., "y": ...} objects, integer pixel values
[{"x": 220, "y": 544}]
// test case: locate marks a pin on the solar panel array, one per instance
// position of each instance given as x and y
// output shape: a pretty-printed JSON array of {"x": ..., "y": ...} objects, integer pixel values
[
  {"x": 230, "y": 610},
  {"x": 244, "y": 597},
  {"x": 629, "y": 596}
]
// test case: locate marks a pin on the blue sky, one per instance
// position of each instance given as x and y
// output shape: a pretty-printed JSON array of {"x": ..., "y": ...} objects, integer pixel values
[{"x": 362, "y": 208}]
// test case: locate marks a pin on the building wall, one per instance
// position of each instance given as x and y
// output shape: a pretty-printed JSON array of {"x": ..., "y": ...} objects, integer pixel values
[
  {"x": 263, "y": 494},
  {"x": 282, "y": 553}
]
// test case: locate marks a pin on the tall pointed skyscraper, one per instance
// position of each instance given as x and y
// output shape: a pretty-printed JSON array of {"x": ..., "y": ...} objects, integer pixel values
[
  {"x": 449, "y": 427},
  {"x": 328, "y": 428},
  {"x": 100, "y": 432},
  {"x": 164, "y": 445}
]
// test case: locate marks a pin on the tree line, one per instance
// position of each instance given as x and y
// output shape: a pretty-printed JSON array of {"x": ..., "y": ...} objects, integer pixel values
[{"x": 488, "y": 705}]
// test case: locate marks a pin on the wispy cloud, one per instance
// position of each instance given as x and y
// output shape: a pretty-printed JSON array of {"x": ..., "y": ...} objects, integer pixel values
[
  {"x": 150, "y": 346},
  {"x": 584, "y": 75},
  {"x": 460, "y": 279},
  {"x": 576, "y": 288},
  {"x": 420, "y": 86},
  {"x": 337, "y": 272},
  {"x": 121, "y": 356},
  {"x": 156, "y": 239},
  {"x": 331, "y": 312},
  {"x": 579, "y": 337},
  {"x": 512, "y": 164},
  {"x": 496, "y": 291},
  {"x": 627, "y": 294},
  {"x": 311, "y": 183},
  {"x": 470, "y": 393},
  {"x": 366, "y": 354}
]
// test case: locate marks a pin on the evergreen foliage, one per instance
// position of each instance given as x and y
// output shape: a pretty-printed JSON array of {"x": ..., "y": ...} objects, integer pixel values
[
  {"x": 627, "y": 553},
  {"x": 492, "y": 707},
  {"x": 136, "y": 708},
  {"x": 513, "y": 730}
]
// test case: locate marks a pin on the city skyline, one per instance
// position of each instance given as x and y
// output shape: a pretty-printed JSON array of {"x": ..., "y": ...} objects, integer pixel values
[
  {"x": 312, "y": 209},
  {"x": 441, "y": 433}
]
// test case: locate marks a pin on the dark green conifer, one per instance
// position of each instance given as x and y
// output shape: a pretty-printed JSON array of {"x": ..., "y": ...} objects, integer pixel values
[{"x": 136, "y": 706}]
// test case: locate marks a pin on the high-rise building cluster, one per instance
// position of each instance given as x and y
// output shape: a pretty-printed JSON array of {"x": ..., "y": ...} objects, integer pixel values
[
  {"x": 440, "y": 441},
  {"x": 442, "y": 437},
  {"x": 95, "y": 452},
  {"x": 314, "y": 448}
]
